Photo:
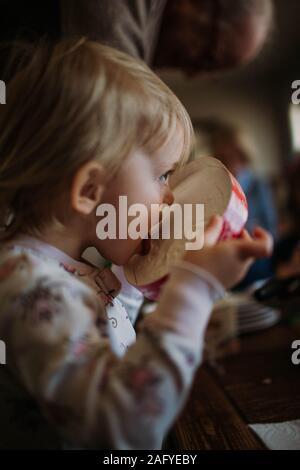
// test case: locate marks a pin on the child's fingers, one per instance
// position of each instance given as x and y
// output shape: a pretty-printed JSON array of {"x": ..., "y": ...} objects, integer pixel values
[
  {"x": 245, "y": 235},
  {"x": 213, "y": 230},
  {"x": 261, "y": 234},
  {"x": 259, "y": 247}
]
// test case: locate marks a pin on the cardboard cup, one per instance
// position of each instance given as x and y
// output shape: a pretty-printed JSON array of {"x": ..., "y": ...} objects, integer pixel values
[{"x": 204, "y": 181}]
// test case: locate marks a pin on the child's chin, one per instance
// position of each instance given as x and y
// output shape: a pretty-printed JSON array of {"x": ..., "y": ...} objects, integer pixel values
[{"x": 122, "y": 259}]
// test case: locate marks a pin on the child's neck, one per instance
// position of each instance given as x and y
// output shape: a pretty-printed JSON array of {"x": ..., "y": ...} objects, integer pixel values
[{"x": 66, "y": 241}]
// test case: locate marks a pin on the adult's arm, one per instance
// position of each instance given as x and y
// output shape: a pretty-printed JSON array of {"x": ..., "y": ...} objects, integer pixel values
[{"x": 129, "y": 25}]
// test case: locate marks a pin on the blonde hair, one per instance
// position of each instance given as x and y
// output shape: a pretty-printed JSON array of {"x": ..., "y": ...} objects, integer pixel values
[{"x": 68, "y": 103}]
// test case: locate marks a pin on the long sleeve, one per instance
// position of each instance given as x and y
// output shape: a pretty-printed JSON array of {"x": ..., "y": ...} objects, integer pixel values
[
  {"x": 58, "y": 344},
  {"x": 129, "y": 25}
]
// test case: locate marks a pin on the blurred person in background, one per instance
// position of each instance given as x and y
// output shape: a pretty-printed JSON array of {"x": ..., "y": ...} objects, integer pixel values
[
  {"x": 212, "y": 35},
  {"x": 293, "y": 199},
  {"x": 191, "y": 35},
  {"x": 286, "y": 257},
  {"x": 226, "y": 143}
]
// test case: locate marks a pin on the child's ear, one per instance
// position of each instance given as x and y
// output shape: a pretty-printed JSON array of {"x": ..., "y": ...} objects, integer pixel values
[{"x": 87, "y": 187}]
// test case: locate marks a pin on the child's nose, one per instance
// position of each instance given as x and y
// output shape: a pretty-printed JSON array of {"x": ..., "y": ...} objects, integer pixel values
[{"x": 168, "y": 197}]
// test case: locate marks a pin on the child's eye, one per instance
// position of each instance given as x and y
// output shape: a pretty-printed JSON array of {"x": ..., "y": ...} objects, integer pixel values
[{"x": 165, "y": 177}]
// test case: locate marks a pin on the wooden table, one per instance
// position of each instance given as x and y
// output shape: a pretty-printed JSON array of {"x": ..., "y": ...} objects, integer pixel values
[{"x": 258, "y": 385}]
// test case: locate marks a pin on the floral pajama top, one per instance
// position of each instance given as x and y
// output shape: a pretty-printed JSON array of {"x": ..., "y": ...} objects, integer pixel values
[{"x": 74, "y": 357}]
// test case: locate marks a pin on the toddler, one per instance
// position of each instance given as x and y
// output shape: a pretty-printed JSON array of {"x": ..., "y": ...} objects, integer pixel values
[{"x": 84, "y": 124}]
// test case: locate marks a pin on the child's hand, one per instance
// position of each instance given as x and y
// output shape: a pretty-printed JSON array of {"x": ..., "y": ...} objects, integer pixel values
[{"x": 230, "y": 260}]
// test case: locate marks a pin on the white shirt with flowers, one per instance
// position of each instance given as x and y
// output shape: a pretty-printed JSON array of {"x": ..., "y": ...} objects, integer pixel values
[{"x": 74, "y": 354}]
